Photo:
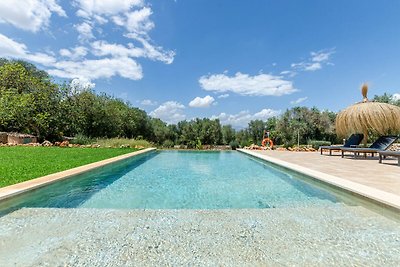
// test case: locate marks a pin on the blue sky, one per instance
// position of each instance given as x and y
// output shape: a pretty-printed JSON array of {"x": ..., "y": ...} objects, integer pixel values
[{"x": 233, "y": 60}]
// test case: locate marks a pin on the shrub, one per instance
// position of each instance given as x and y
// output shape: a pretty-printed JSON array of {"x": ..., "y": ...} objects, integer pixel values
[
  {"x": 317, "y": 143},
  {"x": 118, "y": 142},
  {"x": 199, "y": 145},
  {"x": 234, "y": 144},
  {"x": 168, "y": 144},
  {"x": 244, "y": 143},
  {"x": 82, "y": 140}
]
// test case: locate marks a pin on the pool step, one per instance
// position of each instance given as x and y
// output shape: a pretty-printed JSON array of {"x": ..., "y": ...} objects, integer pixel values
[{"x": 311, "y": 236}]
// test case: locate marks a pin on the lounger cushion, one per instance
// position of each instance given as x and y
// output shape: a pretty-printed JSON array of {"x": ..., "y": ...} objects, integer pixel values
[
  {"x": 354, "y": 139},
  {"x": 384, "y": 142}
]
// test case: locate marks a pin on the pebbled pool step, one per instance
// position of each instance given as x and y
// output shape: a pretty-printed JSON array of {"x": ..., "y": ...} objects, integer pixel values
[{"x": 312, "y": 236}]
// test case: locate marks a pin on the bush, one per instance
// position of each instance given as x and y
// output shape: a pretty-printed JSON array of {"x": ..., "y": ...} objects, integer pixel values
[
  {"x": 317, "y": 143},
  {"x": 119, "y": 142},
  {"x": 244, "y": 143},
  {"x": 199, "y": 145},
  {"x": 168, "y": 144},
  {"x": 234, "y": 144},
  {"x": 82, "y": 140}
]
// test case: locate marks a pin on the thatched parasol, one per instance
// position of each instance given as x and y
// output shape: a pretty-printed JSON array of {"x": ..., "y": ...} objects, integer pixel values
[{"x": 368, "y": 116}]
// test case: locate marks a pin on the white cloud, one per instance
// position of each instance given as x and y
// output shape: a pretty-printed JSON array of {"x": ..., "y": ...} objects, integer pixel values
[
  {"x": 199, "y": 102},
  {"x": 244, "y": 84},
  {"x": 289, "y": 73},
  {"x": 171, "y": 112},
  {"x": 321, "y": 56},
  {"x": 99, "y": 59},
  {"x": 98, "y": 68},
  {"x": 90, "y": 8},
  {"x": 151, "y": 51},
  {"x": 223, "y": 96},
  {"x": 74, "y": 53},
  {"x": 12, "y": 49},
  {"x": 242, "y": 119},
  {"x": 148, "y": 102},
  {"x": 139, "y": 21},
  {"x": 40, "y": 58},
  {"x": 265, "y": 114},
  {"x": 307, "y": 66},
  {"x": 30, "y": 15},
  {"x": 85, "y": 31},
  {"x": 396, "y": 97},
  {"x": 298, "y": 101},
  {"x": 81, "y": 84},
  {"x": 83, "y": 69},
  {"x": 313, "y": 66},
  {"x": 315, "y": 62},
  {"x": 133, "y": 15},
  {"x": 103, "y": 48}
]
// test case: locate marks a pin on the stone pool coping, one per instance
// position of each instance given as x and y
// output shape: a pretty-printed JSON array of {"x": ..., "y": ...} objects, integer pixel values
[
  {"x": 376, "y": 195},
  {"x": 16, "y": 189}
]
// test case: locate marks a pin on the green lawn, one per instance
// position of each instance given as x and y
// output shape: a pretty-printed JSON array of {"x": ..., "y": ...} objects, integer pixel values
[{"x": 18, "y": 164}]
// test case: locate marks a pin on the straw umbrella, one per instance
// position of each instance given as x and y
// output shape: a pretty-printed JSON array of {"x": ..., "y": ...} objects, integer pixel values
[{"x": 368, "y": 116}]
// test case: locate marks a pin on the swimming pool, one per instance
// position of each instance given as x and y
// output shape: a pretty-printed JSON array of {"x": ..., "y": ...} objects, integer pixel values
[
  {"x": 180, "y": 180},
  {"x": 193, "y": 208}
]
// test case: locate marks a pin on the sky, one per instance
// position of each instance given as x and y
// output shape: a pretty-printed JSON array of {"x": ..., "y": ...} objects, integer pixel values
[{"x": 233, "y": 60}]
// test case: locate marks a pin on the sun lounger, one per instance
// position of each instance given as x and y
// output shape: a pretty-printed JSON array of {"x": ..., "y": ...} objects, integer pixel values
[
  {"x": 384, "y": 154},
  {"x": 381, "y": 144},
  {"x": 354, "y": 140}
]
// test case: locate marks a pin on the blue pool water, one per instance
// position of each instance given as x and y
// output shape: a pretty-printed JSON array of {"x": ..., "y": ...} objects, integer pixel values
[{"x": 179, "y": 180}]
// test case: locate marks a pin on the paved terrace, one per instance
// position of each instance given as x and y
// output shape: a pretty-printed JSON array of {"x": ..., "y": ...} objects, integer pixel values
[{"x": 368, "y": 172}]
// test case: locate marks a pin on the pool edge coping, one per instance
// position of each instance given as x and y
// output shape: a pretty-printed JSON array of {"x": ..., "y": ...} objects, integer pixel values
[
  {"x": 19, "y": 188},
  {"x": 382, "y": 197}
]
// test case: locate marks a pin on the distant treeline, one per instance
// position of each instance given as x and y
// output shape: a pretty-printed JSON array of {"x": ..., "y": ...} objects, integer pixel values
[{"x": 31, "y": 102}]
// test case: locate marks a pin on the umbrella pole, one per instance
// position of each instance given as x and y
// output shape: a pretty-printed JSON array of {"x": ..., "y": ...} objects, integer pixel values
[{"x": 365, "y": 140}]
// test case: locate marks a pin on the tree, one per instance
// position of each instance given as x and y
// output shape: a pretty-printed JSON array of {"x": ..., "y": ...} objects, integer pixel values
[
  {"x": 187, "y": 135},
  {"x": 310, "y": 124},
  {"x": 162, "y": 132},
  {"x": 387, "y": 98},
  {"x": 243, "y": 137},
  {"x": 256, "y": 131},
  {"x": 199, "y": 131},
  {"x": 228, "y": 134},
  {"x": 36, "y": 96},
  {"x": 15, "y": 77},
  {"x": 15, "y": 110}
]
